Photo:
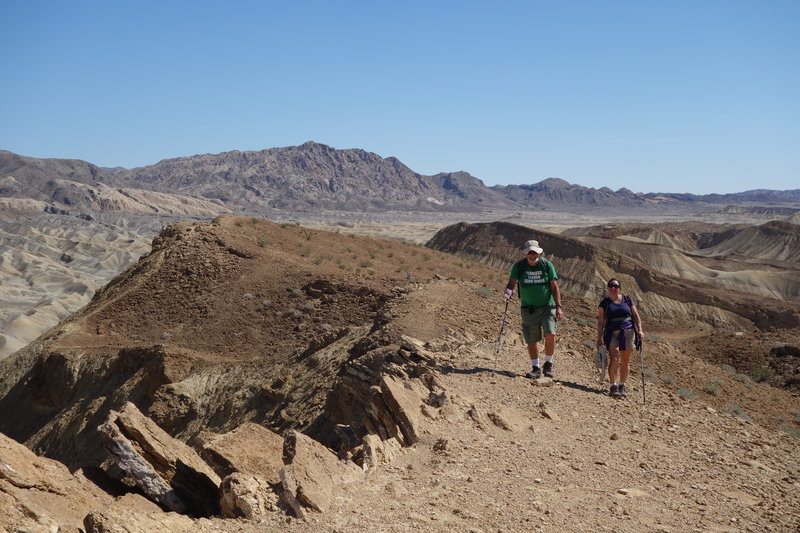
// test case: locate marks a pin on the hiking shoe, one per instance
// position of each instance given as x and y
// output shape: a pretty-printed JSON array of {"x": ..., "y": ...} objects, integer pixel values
[
  {"x": 614, "y": 392},
  {"x": 535, "y": 373},
  {"x": 548, "y": 370},
  {"x": 622, "y": 391}
]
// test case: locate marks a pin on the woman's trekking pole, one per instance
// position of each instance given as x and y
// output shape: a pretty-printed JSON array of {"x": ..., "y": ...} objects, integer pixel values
[
  {"x": 500, "y": 338},
  {"x": 641, "y": 365}
]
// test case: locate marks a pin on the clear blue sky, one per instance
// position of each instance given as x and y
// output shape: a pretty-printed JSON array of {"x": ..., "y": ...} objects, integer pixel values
[{"x": 657, "y": 96}]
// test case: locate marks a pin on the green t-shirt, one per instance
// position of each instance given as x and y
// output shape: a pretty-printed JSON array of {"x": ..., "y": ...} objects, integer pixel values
[{"x": 534, "y": 282}]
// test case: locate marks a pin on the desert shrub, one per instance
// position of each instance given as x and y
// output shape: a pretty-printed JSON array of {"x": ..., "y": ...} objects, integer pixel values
[
  {"x": 307, "y": 233},
  {"x": 216, "y": 221},
  {"x": 484, "y": 292},
  {"x": 263, "y": 242},
  {"x": 318, "y": 260},
  {"x": 712, "y": 388},
  {"x": 309, "y": 306},
  {"x": 650, "y": 374},
  {"x": 589, "y": 344},
  {"x": 669, "y": 380},
  {"x": 254, "y": 220},
  {"x": 686, "y": 394},
  {"x": 426, "y": 257},
  {"x": 794, "y": 432},
  {"x": 744, "y": 378},
  {"x": 365, "y": 264},
  {"x": 238, "y": 223},
  {"x": 583, "y": 321},
  {"x": 738, "y": 411},
  {"x": 762, "y": 374},
  {"x": 728, "y": 368}
]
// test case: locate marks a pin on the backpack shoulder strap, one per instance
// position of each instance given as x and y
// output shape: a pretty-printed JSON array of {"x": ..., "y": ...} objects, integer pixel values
[{"x": 521, "y": 266}]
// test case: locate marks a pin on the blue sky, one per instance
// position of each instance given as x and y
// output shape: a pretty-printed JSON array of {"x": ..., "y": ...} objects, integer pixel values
[{"x": 656, "y": 96}]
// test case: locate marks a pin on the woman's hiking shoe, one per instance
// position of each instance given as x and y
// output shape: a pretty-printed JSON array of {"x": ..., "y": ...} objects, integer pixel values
[
  {"x": 614, "y": 392},
  {"x": 622, "y": 391},
  {"x": 535, "y": 373},
  {"x": 548, "y": 370}
]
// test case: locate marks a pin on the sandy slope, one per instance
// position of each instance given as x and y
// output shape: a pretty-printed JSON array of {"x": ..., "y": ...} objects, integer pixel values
[{"x": 51, "y": 265}]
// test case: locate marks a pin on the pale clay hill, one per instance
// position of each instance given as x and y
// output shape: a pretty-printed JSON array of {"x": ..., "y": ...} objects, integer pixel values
[{"x": 382, "y": 351}]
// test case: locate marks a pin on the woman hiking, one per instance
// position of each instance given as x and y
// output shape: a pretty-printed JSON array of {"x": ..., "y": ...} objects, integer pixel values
[{"x": 617, "y": 323}]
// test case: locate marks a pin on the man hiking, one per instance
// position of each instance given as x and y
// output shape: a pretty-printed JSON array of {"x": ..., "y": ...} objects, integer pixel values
[{"x": 541, "y": 305}]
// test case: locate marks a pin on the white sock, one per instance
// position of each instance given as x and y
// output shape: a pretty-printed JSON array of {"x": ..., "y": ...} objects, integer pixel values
[
  {"x": 535, "y": 362},
  {"x": 548, "y": 358}
]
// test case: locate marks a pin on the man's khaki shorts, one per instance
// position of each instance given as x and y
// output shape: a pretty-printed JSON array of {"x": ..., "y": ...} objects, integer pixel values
[{"x": 537, "y": 321}]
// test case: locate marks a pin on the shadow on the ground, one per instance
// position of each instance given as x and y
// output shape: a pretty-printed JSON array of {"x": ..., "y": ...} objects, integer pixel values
[
  {"x": 583, "y": 388},
  {"x": 477, "y": 370},
  {"x": 510, "y": 374}
]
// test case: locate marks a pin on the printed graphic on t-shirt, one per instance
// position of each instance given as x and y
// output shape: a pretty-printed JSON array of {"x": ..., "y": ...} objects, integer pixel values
[{"x": 534, "y": 277}]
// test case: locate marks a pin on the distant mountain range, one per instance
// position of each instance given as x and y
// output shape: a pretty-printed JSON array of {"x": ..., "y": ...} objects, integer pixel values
[{"x": 308, "y": 177}]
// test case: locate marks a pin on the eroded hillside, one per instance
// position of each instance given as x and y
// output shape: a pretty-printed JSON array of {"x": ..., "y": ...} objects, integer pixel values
[
  {"x": 669, "y": 283},
  {"x": 221, "y": 323}
]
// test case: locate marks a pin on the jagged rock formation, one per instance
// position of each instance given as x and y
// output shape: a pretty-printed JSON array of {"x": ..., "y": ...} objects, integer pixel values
[{"x": 168, "y": 471}]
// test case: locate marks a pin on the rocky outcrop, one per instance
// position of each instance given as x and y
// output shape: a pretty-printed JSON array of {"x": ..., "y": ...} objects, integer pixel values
[
  {"x": 311, "y": 474},
  {"x": 404, "y": 407},
  {"x": 249, "y": 449},
  {"x": 167, "y": 470},
  {"x": 118, "y": 519},
  {"x": 248, "y": 496},
  {"x": 39, "y": 494}
]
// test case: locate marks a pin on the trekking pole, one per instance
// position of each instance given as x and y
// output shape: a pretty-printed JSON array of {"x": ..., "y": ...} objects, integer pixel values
[
  {"x": 500, "y": 338},
  {"x": 641, "y": 365}
]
